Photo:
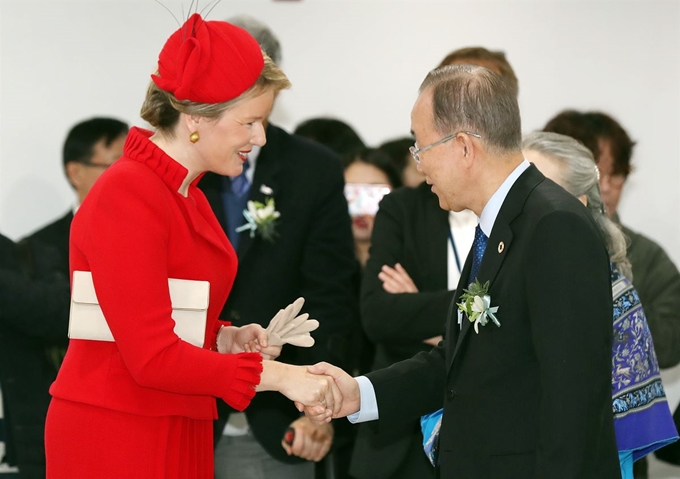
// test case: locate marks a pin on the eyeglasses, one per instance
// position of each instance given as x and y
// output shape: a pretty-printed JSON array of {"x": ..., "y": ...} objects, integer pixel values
[{"x": 415, "y": 152}]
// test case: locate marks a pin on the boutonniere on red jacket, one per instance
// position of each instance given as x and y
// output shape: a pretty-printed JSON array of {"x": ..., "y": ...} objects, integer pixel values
[
  {"x": 261, "y": 218},
  {"x": 475, "y": 302}
]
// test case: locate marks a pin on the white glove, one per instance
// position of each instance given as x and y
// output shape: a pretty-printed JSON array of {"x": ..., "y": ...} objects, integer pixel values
[{"x": 288, "y": 327}]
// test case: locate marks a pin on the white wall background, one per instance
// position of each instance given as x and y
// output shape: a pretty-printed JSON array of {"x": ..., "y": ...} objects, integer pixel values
[{"x": 362, "y": 61}]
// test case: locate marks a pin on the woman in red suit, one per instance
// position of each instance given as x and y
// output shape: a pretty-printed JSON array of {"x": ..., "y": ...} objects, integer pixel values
[{"x": 143, "y": 406}]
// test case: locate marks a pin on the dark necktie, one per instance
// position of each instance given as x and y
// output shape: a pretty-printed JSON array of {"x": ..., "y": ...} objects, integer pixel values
[
  {"x": 478, "y": 247},
  {"x": 431, "y": 423},
  {"x": 235, "y": 198},
  {"x": 240, "y": 184}
]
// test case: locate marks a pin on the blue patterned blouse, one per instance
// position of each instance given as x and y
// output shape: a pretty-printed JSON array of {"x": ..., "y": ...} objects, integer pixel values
[{"x": 642, "y": 418}]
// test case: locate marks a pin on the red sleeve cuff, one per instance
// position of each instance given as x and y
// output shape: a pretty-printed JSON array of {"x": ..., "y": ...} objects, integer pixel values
[{"x": 246, "y": 378}]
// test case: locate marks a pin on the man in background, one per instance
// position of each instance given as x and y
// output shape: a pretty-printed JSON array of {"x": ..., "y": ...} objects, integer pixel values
[
  {"x": 308, "y": 252},
  {"x": 34, "y": 304},
  {"x": 494, "y": 60},
  {"x": 90, "y": 147}
]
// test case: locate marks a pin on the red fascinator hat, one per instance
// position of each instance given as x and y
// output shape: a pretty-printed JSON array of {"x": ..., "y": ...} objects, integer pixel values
[{"x": 208, "y": 61}]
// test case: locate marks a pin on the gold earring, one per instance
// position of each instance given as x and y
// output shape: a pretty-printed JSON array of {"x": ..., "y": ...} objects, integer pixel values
[{"x": 194, "y": 137}]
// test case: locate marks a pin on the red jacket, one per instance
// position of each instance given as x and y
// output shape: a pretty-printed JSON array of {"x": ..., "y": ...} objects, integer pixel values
[{"x": 133, "y": 232}]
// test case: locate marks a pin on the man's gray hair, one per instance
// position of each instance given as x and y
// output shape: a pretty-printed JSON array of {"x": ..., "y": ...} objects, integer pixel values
[
  {"x": 473, "y": 98},
  {"x": 580, "y": 176},
  {"x": 260, "y": 32}
]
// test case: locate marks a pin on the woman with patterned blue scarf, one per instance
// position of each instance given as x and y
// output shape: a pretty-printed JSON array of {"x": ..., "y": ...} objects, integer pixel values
[{"x": 642, "y": 418}]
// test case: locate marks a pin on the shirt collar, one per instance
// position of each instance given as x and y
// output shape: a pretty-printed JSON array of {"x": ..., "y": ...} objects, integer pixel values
[{"x": 493, "y": 206}]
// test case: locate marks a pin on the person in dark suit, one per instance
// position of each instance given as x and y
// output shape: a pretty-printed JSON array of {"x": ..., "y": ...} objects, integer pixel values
[
  {"x": 529, "y": 397},
  {"x": 38, "y": 345},
  {"x": 34, "y": 305},
  {"x": 415, "y": 263},
  {"x": 91, "y": 146},
  {"x": 411, "y": 233},
  {"x": 310, "y": 254}
]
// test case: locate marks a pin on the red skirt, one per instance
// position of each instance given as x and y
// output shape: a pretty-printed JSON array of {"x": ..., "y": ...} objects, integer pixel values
[{"x": 84, "y": 441}]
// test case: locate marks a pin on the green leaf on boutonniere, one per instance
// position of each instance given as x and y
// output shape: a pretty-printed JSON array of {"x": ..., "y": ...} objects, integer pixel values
[{"x": 475, "y": 302}]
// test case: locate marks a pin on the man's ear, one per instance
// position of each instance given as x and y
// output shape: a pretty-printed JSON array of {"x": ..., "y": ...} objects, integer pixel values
[
  {"x": 468, "y": 147},
  {"x": 74, "y": 171}
]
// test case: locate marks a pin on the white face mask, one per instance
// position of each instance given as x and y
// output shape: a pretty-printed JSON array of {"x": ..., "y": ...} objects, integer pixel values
[{"x": 363, "y": 198}]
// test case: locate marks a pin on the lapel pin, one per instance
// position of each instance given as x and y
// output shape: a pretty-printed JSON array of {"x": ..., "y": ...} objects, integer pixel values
[
  {"x": 501, "y": 247},
  {"x": 265, "y": 190}
]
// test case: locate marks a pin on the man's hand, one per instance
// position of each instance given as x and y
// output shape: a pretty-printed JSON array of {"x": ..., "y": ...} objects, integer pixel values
[
  {"x": 312, "y": 441},
  {"x": 396, "y": 280},
  {"x": 348, "y": 387}
]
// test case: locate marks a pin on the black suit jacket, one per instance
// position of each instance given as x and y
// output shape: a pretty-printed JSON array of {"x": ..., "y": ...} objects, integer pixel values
[
  {"x": 411, "y": 229},
  {"x": 312, "y": 256},
  {"x": 531, "y": 399},
  {"x": 34, "y": 306},
  {"x": 56, "y": 234}
]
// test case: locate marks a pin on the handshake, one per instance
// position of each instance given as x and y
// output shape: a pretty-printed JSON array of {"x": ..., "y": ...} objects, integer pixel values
[{"x": 322, "y": 391}]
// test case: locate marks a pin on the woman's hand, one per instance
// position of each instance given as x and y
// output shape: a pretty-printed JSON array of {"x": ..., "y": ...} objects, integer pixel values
[
  {"x": 396, "y": 280},
  {"x": 251, "y": 338}
]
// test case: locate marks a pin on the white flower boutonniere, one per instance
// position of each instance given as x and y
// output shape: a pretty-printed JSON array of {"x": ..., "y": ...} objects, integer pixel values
[
  {"x": 261, "y": 219},
  {"x": 475, "y": 302}
]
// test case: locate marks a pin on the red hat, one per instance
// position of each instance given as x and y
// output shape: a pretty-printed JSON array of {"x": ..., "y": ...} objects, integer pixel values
[{"x": 208, "y": 62}]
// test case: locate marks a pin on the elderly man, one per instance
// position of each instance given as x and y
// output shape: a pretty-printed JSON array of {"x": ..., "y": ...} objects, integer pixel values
[
  {"x": 527, "y": 393},
  {"x": 417, "y": 254}
]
